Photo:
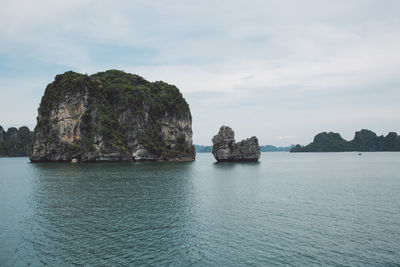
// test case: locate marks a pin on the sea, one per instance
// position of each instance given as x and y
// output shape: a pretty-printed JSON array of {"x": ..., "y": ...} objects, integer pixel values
[{"x": 302, "y": 209}]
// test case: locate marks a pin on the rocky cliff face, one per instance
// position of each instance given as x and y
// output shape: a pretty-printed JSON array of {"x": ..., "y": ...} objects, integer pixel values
[
  {"x": 112, "y": 116},
  {"x": 225, "y": 148}
]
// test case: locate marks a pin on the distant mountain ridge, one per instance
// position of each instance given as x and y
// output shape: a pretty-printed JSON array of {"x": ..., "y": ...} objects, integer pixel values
[
  {"x": 202, "y": 149},
  {"x": 266, "y": 148},
  {"x": 269, "y": 148},
  {"x": 364, "y": 140},
  {"x": 15, "y": 142}
]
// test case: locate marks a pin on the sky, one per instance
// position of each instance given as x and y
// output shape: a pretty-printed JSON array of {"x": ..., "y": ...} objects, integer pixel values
[{"x": 278, "y": 69}]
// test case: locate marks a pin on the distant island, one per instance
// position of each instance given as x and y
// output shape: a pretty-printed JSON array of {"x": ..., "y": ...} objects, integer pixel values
[
  {"x": 202, "y": 149},
  {"x": 266, "y": 148},
  {"x": 269, "y": 148},
  {"x": 15, "y": 142},
  {"x": 364, "y": 140},
  {"x": 112, "y": 116}
]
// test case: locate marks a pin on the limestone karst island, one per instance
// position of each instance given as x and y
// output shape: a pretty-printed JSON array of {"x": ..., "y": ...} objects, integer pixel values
[
  {"x": 111, "y": 116},
  {"x": 225, "y": 148}
]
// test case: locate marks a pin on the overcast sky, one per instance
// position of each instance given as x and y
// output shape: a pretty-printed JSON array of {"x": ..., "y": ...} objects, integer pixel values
[{"x": 281, "y": 70}]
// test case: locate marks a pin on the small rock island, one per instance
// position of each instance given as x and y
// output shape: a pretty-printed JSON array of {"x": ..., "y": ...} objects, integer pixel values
[
  {"x": 225, "y": 148},
  {"x": 112, "y": 116}
]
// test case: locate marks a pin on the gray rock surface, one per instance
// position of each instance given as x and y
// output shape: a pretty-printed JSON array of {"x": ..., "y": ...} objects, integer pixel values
[{"x": 225, "y": 148}]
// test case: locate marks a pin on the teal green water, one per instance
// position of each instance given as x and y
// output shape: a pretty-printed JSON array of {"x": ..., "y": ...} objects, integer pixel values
[{"x": 288, "y": 209}]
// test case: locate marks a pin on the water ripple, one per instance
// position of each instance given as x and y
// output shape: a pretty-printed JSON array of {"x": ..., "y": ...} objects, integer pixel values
[{"x": 304, "y": 209}]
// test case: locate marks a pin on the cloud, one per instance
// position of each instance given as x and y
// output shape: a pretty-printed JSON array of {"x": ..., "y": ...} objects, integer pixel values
[
  {"x": 284, "y": 137},
  {"x": 267, "y": 68}
]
